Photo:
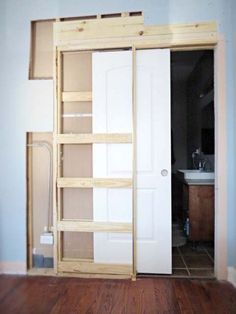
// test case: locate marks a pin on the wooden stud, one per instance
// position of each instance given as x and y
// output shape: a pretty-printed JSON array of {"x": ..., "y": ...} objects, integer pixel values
[
  {"x": 77, "y": 96},
  {"x": 93, "y": 226},
  {"x": 93, "y": 138},
  {"x": 94, "y": 183},
  {"x": 59, "y": 151},
  {"x": 55, "y": 168},
  {"x": 29, "y": 178},
  {"x": 95, "y": 268},
  {"x": 134, "y": 173}
]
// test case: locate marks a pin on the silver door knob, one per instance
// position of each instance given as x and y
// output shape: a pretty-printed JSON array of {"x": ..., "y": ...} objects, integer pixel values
[{"x": 164, "y": 172}]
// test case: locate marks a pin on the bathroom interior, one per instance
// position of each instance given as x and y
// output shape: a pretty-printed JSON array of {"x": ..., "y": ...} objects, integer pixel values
[{"x": 192, "y": 133}]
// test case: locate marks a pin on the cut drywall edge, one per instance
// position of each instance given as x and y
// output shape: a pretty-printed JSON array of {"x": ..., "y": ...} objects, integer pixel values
[
  {"x": 13, "y": 268},
  {"x": 232, "y": 275}
]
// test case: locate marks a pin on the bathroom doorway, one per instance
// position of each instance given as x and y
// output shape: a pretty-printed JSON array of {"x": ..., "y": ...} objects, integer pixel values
[{"x": 193, "y": 163}]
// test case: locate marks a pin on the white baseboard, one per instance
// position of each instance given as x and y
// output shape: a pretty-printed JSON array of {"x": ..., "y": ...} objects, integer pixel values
[
  {"x": 232, "y": 275},
  {"x": 18, "y": 268}
]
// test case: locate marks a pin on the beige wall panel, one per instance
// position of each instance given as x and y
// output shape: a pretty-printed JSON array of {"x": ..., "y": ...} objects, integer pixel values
[
  {"x": 77, "y": 161},
  {"x": 77, "y": 245},
  {"x": 40, "y": 167},
  {"x": 78, "y": 204},
  {"x": 77, "y": 69},
  {"x": 42, "y": 49},
  {"x": 77, "y": 124}
]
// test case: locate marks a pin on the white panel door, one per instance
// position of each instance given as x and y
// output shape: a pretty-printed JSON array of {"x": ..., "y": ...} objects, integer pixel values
[
  {"x": 153, "y": 162},
  {"x": 112, "y": 112}
]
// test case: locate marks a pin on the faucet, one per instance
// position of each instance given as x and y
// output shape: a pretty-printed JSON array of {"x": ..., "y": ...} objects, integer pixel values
[
  {"x": 201, "y": 160},
  {"x": 202, "y": 163}
]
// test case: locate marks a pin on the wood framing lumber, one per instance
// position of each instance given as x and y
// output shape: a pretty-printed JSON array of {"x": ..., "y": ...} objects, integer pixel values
[
  {"x": 94, "y": 268},
  {"x": 84, "y": 33},
  {"x": 76, "y": 96},
  {"x": 94, "y": 138},
  {"x": 93, "y": 226},
  {"x": 94, "y": 183}
]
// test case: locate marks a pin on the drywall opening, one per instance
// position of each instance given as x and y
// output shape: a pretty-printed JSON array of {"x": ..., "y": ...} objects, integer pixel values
[
  {"x": 41, "y": 50},
  {"x": 39, "y": 198},
  {"x": 77, "y": 245},
  {"x": 41, "y": 42}
]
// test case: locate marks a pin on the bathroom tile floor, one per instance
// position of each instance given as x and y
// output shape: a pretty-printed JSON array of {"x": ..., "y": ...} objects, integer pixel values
[{"x": 190, "y": 261}]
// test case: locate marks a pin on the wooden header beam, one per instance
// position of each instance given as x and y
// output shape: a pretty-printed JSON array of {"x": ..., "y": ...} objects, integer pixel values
[{"x": 129, "y": 31}]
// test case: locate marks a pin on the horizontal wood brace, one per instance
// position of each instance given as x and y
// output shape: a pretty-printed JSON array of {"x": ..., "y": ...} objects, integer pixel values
[
  {"x": 76, "y": 96},
  {"x": 94, "y": 268},
  {"x": 63, "y": 26},
  {"x": 93, "y": 226},
  {"x": 94, "y": 138},
  {"x": 94, "y": 183},
  {"x": 77, "y": 115}
]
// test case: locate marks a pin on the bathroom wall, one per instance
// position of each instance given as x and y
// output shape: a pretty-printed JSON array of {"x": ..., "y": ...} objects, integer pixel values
[
  {"x": 179, "y": 123},
  {"x": 28, "y": 105},
  {"x": 200, "y": 108}
]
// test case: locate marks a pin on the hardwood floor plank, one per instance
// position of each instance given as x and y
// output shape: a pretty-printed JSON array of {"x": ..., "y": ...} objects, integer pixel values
[
  {"x": 8, "y": 284},
  {"x": 36, "y": 295}
]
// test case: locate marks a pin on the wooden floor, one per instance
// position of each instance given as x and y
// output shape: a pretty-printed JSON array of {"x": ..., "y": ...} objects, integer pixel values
[{"x": 31, "y": 294}]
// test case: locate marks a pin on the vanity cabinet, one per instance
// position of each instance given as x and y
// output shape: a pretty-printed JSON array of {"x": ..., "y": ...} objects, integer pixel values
[{"x": 198, "y": 203}]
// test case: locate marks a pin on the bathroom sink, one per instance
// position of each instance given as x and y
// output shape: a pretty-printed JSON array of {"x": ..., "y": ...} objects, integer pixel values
[{"x": 193, "y": 174}]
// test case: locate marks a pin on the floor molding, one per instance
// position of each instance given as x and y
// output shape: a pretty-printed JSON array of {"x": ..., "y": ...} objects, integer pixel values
[
  {"x": 232, "y": 275},
  {"x": 13, "y": 268}
]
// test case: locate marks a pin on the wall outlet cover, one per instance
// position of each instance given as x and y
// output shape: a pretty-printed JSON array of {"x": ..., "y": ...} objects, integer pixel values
[{"x": 46, "y": 238}]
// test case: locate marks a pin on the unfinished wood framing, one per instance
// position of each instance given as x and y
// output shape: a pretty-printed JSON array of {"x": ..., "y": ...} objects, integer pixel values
[
  {"x": 92, "y": 226},
  {"x": 41, "y": 42},
  {"x": 134, "y": 161},
  {"x": 82, "y": 35},
  {"x": 41, "y": 50},
  {"x": 29, "y": 202},
  {"x": 94, "y": 268},
  {"x": 77, "y": 96},
  {"x": 93, "y": 138},
  {"x": 79, "y": 36},
  {"x": 94, "y": 183}
]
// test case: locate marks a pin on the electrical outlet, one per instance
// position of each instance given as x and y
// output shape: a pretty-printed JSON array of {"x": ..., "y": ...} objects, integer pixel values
[{"x": 46, "y": 238}]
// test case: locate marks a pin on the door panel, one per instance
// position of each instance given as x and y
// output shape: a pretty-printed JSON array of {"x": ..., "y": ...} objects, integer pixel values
[
  {"x": 153, "y": 155},
  {"x": 112, "y": 112}
]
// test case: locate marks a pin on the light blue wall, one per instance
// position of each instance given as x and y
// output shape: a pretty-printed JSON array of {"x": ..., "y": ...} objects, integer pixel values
[{"x": 27, "y": 105}]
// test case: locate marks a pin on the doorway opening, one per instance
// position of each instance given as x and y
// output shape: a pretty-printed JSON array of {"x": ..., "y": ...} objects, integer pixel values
[{"x": 193, "y": 163}]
